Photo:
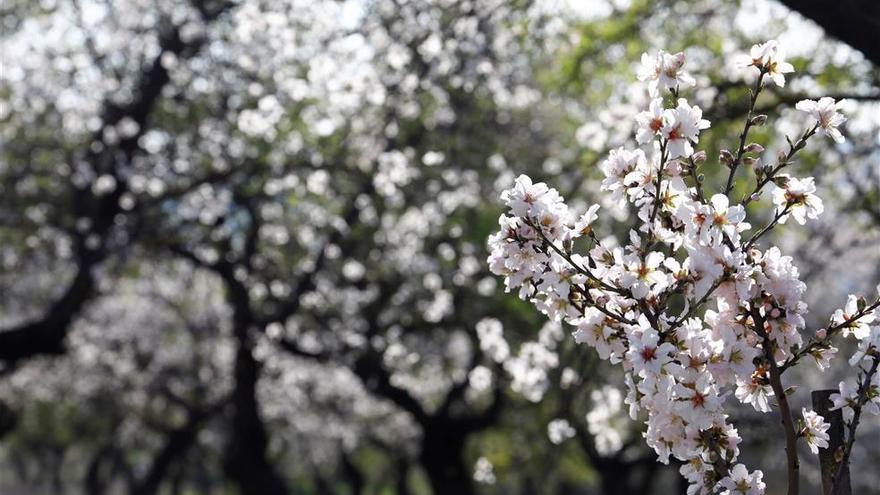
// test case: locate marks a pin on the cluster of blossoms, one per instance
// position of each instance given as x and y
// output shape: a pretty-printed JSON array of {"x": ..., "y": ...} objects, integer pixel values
[{"x": 640, "y": 304}]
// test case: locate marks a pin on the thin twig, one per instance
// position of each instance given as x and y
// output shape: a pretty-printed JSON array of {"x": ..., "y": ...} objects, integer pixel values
[
  {"x": 793, "y": 148},
  {"x": 745, "y": 132},
  {"x": 768, "y": 227},
  {"x": 830, "y": 331},
  {"x": 864, "y": 386}
]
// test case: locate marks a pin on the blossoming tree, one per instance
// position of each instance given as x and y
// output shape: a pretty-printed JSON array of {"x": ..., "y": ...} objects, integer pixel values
[{"x": 692, "y": 306}]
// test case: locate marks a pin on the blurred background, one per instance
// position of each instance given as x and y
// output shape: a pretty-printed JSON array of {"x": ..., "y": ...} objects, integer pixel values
[{"x": 242, "y": 244}]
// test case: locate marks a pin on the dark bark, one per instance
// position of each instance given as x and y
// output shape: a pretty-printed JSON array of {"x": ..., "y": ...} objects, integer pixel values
[
  {"x": 353, "y": 476},
  {"x": 246, "y": 460},
  {"x": 442, "y": 456},
  {"x": 177, "y": 444},
  {"x": 95, "y": 481},
  {"x": 855, "y": 22},
  {"x": 401, "y": 484},
  {"x": 8, "y": 419}
]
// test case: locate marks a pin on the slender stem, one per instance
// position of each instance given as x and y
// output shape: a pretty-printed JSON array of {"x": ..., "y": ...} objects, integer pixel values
[
  {"x": 574, "y": 265},
  {"x": 854, "y": 424},
  {"x": 697, "y": 304},
  {"x": 588, "y": 274},
  {"x": 768, "y": 227},
  {"x": 745, "y": 132},
  {"x": 791, "y": 454},
  {"x": 602, "y": 309},
  {"x": 698, "y": 185},
  {"x": 659, "y": 181},
  {"x": 792, "y": 150},
  {"x": 830, "y": 331}
]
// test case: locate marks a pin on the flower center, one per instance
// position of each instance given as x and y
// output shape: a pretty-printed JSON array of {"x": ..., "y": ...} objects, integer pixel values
[{"x": 656, "y": 124}]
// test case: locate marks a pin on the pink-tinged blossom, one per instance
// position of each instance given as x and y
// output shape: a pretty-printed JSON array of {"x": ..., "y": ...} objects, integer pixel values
[
  {"x": 650, "y": 122},
  {"x": 645, "y": 354},
  {"x": 523, "y": 198},
  {"x": 728, "y": 218},
  {"x": 741, "y": 482},
  {"x": 584, "y": 224},
  {"x": 797, "y": 195},
  {"x": 860, "y": 328},
  {"x": 643, "y": 275},
  {"x": 868, "y": 345},
  {"x": 618, "y": 166},
  {"x": 770, "y": 58},
  {"x": 823, "y": 356},
  {"x": 754, "y": 393},
  {"x": 682, "y": 125},
  {"x": 599, "y": 331},
  {"x": 826, "y": 114},
  {"x": 846, "y": 398},
  {"x": 664, "y": 70},
  {"x": 815, "y": 430},
  {"x": 708, "y": 222},
  {"x": 738, "y": 355},
  {"x": 698, "y": 400}
]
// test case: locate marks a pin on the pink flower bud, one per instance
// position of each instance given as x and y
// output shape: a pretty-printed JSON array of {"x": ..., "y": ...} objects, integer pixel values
[
  {"x": 754, "y": 148},
  {"x": 821, "y": 334}
]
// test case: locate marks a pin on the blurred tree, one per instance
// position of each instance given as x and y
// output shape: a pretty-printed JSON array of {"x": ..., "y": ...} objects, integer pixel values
[{"x": 309, "y": 185}]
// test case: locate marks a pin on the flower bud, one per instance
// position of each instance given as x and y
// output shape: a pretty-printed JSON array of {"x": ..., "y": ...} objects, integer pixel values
[
  {"x": 750, "y": 162},
  {"x": 781, "y": 181},
  {"x": 781, "y": 156},
  {"x": 821, "y": 334},
  {"x": 699, "y": 157},
  {"x": 754, "y": 148},
  {"x": 755, "y": 196},
  {"x": 758, "y": 120},
  {"x": 726, "y": 157},
  {"x": 673, "y": 168}
]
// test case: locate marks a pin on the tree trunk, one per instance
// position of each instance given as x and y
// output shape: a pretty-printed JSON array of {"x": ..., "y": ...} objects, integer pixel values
[
  {"x": 246, "y": 461},
  {"x": 442, "y": 457},
  {"x": 177, "y": 444}
]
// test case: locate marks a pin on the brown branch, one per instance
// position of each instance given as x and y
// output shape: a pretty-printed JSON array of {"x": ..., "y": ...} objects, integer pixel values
[
  {"x": 830, "y": 331},
  {"x": 745, "y": 132},
  {"x": 864, "y": 386},
  {"x": 791, "y": 454},
  {"x": 793, "y": 148}
]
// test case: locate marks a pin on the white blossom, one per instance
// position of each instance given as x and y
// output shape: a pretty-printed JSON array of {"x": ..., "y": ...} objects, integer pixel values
[
  {"x": 826, "y": 114},
  {"x": 815, "y": 430}
]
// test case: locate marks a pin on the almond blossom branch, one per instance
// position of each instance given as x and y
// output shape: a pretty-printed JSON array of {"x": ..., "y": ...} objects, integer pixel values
[
  {"x": 745, "y": 132},
  {"x": 766, "y": 178},
  {"x": 788, "y": 428},
  {"x": 779, "y": 215},
  {"x": 679, "y": 374},
  {"x": 864, "y": 387},
  {"x": 571, "y": 262},
  {"x": 830, "y": 331},
  {"x": 663, "y": 157},
  {"x": 693, "y": 307},
  {"x": 698, "y": 179}
]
